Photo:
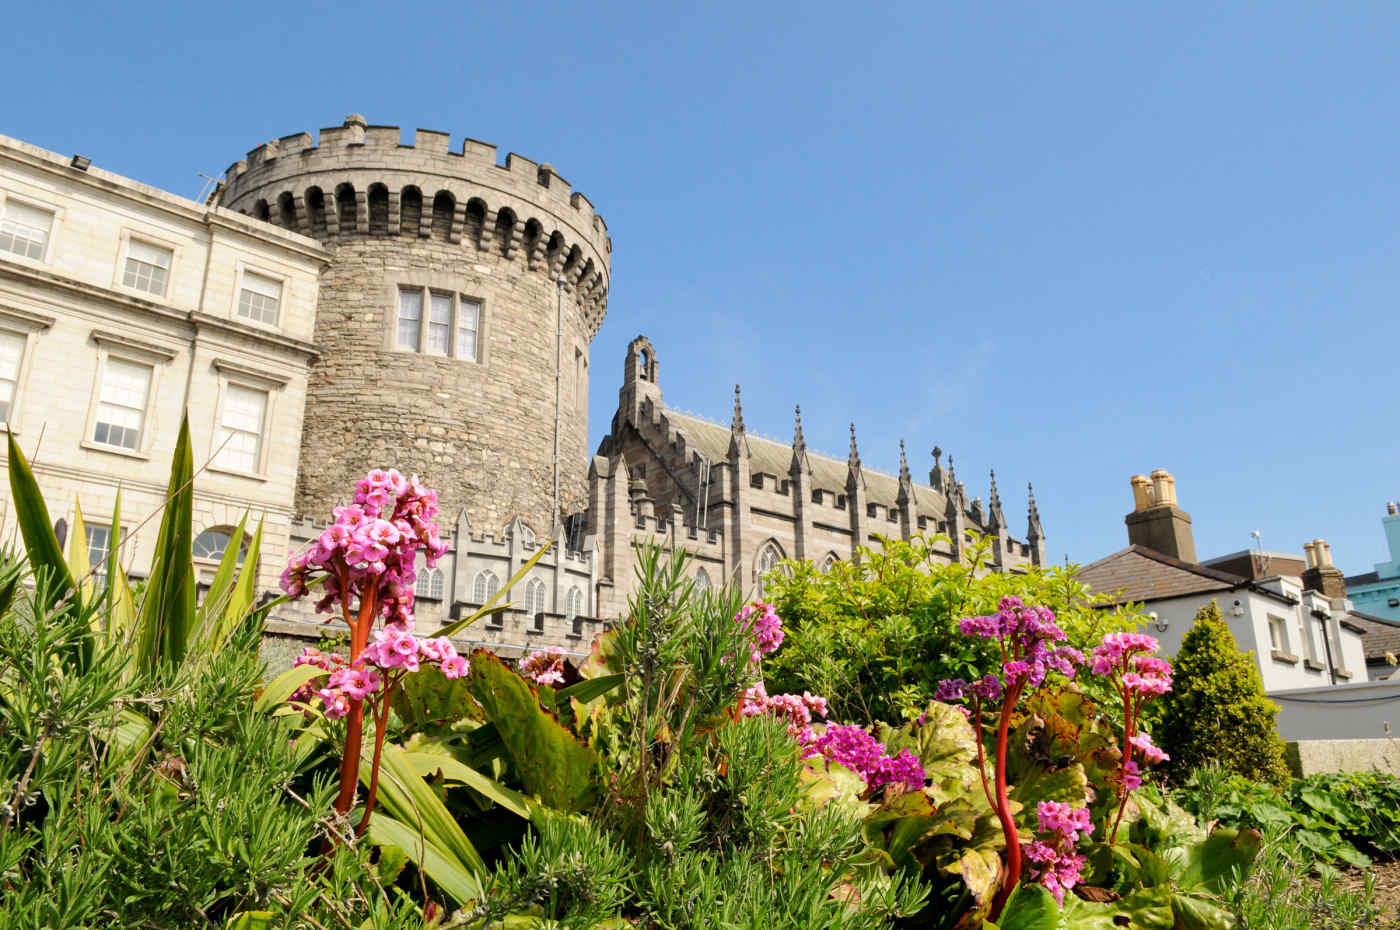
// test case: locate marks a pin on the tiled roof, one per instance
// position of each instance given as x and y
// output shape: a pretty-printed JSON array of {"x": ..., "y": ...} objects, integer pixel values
[
  {"x": 1380, "y": 635},
  {"x": 1139, "y": 574}
]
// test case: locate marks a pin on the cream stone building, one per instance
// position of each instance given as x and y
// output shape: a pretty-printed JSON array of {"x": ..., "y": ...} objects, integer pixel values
[
  {"x": 349, "y": 301},
  {"x": 121, "y": 306}
]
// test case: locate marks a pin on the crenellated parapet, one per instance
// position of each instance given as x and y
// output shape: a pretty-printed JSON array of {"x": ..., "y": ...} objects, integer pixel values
[{"x": 358, "y": 180}]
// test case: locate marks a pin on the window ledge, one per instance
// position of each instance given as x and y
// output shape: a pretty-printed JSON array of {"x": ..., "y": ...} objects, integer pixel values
[
  {"x": 115, "y": 450},
  {"x": 1288, "y": 657},
  {"x": 236, "y": 472},
  {"x": 1342, "y": 673},
  {"x": 1312, "y": 666}
]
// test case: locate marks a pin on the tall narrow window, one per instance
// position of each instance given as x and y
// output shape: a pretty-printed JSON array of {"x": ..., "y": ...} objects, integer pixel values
[
  {"x": 1278, "y": 633},
  {"x": 148, "y": 267},
  {"x": 534, "y": 597},
  {"x": 768, "y": 558},
  {"x": 24, "y": 230},
  {"x": 468, "y": 320},
  {"x": 429, "y": 584},
  {"x": 486, "y": 586},
  {"x": 702, "y": 581},
  {"x": 410, "y": 318},
  {"x": 241, "y": 428},
  {"x": 440, "y": 324},
  {"x": 260, "y": 298},
  {"x": 121, "y": 406},
  {"x": 99, "y": 543},
  {"x": 11, "y": 354},
  {"x": 575, "y": 604}
]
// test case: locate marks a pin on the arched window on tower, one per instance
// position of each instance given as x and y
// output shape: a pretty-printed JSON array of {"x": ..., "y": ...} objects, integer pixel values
[
  {"x": 429, "y": 584},
  {"x": 475, "y": 220},
  {"x": 443, "y": 206},
  {"x": 768, "y": 558},
  {"x": 378, "y": 210},
  {"x": 346, "y": 208},
  {"x": 286, "y": 211},
  {"x": 505, "y": 230},
  {"x": 534, "y": 597},
  {"x": 486, "y": 586},
  {"x": 573, "y": 604},
  {"x": 316, "y": 211},
  {"x": 410, "y": 211},
  {"x": 702, "y": 582}
]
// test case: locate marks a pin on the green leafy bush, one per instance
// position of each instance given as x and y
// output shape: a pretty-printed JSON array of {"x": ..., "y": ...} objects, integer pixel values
[
  {"x": 878, "y": 633},
  {"x": 1217, "y": 711},
  {"x": 1343, "y": 817}
]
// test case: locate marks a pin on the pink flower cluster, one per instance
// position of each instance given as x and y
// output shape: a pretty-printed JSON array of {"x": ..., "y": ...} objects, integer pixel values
[
  {"x": 764, "y": 625},
  {"x": 1129, "y": 655},
  {"x": 1027, "y": 635},
  {"x": 796, "y": 709},
  {"x": 394, "y": 652},
  {"x": 1057, "y": 866},
  {"x": 543, "y": 666},
  {"x": 371, "y": 546},
  {"x": 854, "y": 748}
]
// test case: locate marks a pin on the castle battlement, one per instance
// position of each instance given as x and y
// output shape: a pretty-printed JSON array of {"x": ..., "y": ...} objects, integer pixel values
[{"x": 361, "y": 180}]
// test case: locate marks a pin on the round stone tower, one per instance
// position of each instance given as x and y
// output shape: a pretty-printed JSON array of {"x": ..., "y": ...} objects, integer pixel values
[{"x": 454, "y": 319}]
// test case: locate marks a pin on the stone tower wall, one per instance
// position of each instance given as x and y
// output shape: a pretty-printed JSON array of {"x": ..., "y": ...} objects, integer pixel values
[{"x": 456, "y": 222}]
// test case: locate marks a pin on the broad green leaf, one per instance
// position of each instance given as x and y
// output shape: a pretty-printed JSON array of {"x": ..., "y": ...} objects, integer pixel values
[
  {"x": 549, "y": 760},
  {"x": 590, "y": 688},
  {"x": 1030, "y": 907},
  {"x": 1068, "y": 785},
  {"x": 430, "y": 698},
  {"x": 406, "y": 797},
  {"x": 490, "y": 607},
  {"x": 442, "y": 763},
  {"x": 1210, "y": 864},
  {"x": 442, "y": 867},
  {"x": 130, "y": 735},
  {"x": 240, "y": 600},
  {"x": 40, "y": 543},
  {"x": 1145, "y": 909},
  {"x": 828, "y": 782},
  {"x": 946, "y": 746},
  {"x": 279, "y": 689},
  {"x": 250, "y": 920}
]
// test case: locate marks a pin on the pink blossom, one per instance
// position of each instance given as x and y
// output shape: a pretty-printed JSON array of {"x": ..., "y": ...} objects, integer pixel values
[
  {"x": 454, "y": 667},
  {"x": 543, "y": 666},
  {"x": 853, "y": 747},
  {"x": 764, "y": 625},
  {"x": 1150, "y": 753}
]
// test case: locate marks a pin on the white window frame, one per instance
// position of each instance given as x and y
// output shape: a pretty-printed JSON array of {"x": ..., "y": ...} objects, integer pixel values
[
  {"x": 27, "y": 325},
  {"x": 55, "y": 211},
  {"x": 486, "y": 582},
  {"x": 117, "y": 346},
  {"x": 231, "y": 372},
  {"x": 262, "y": 271},
  {"x": 536, "y": 597},
  {"x": 759, "y": 570},
  {"x": 573, "y": 603},
  {"x": 430, "y": 576},
  {"x": 1278, "y": 625},
  {"x": 460, "y": 298},
  {"x": 124, "y": 253}
]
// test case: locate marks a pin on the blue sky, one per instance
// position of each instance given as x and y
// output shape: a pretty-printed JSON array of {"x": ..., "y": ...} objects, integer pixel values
[{"x": 1070, "y": 244}]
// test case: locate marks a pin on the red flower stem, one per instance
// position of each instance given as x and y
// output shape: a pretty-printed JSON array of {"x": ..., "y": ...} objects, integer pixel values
[
  {"x": 381, "y": 725},
  {"x": 355, "y": 719},
  {"x": 1129, "y": 723},
  {"x": 1003, "y": 806}
]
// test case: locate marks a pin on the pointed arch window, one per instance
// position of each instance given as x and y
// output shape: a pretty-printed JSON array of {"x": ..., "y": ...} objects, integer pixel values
[
  {"x": 768, "y": 558},
  {"x": 829, "y": 562},
  {"x": 534, "y": 597},
  {"x": 486, "y": 586},
  {"x": 429, "y": 584},
  {"x": 702, "y": 581},
  {"x": 574, "y": 604}
]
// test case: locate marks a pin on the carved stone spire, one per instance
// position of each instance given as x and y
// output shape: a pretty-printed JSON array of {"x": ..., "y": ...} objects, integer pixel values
[
  {"x": 737, "y": 424},
  {"x": 1034, "y": 530},
  {"x": 799, "y": 465},
  {"x": 904, "y": 476},
  {"x": 935, "y": 475},
  {"x": 738, "y": 436},
  {"x": 853, "y": 457},
  {"x": 997, "y": 519}
]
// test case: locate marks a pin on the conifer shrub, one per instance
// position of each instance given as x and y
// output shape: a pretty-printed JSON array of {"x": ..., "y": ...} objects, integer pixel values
[{"x": 1218, "y": 712}]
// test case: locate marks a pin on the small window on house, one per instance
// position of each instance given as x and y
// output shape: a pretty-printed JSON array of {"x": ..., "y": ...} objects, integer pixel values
[
  {"x": 486, "y": 586},
  {"x": 148, "y": 267},
  {"x": 468, "y": 323},
  {"x": 872, "y": 510},
  {"x": 1278, "y": 633},
  {"x": 24, "y": 230},
  {"x": 429, "y": 584},
  {"x": 121, "y": 405},
  {"x": 840, "y": 502},
  {"x": 816, "y": 495},
  {"x": 213, "y": 543},
  {"x": 240, "y": 432},
  {"x": 573, "y": 604},
  {"x": 11, "y": 354},
  {"x": 260, "y": 298},
  {"x": 534, "y": 597},
  {"x": 99, "y": 544}
]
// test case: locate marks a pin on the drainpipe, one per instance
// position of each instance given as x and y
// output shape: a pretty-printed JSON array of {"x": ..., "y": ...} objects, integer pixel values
[
  {"x": 558, "y": 387},
  {"x": 1326, "y": 645},
  {"x": 203, "y": 291}
]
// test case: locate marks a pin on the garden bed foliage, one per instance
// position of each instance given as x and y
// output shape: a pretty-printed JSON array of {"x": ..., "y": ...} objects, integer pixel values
[{"x": 975, "y": 755}]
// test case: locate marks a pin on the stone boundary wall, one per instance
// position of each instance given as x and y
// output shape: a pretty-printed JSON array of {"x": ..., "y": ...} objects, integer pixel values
[{"x": 1312, "y": 756}]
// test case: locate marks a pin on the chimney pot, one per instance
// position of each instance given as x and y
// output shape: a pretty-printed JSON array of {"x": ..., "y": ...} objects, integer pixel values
[
  {"x": 1163, "y": 487},
  {"x": 1142, "y": 492},
  {"x": 1390, "y": 508},
  {"x": 1310, "y": 554}
]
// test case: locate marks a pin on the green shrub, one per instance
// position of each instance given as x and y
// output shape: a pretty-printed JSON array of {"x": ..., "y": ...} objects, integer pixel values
[
  {"x": 878, "y": 633},
  {"x": 1217, "y": 711}
]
